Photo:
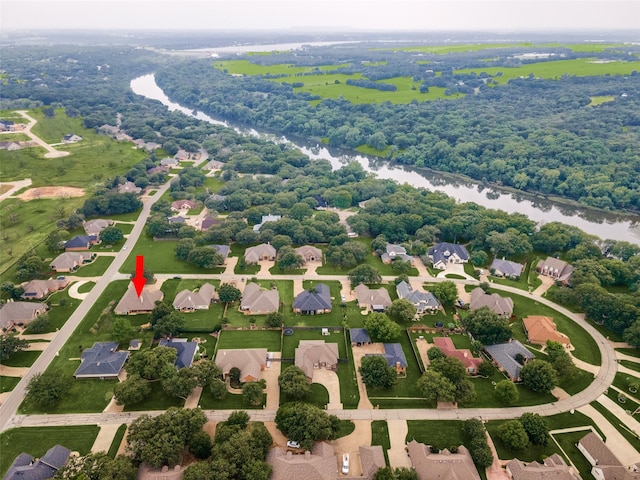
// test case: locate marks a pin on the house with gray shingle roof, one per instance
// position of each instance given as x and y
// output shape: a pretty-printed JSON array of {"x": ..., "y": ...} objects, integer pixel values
[
  {"x": 26, "y": 467},
  {"x": 441, "y": 465},
  {"x": 20, "y": 313},
  {"x": 222, "y": 250},
  {"x": 359, "y": 336},
  {"x": 425, "y": 302},
  {"x": 502, "y": 306},
  {"x": 552, "y": 467},
  {"x": 265, "y": 219},
  {"x": 377, "y": 300},
  {"x": 261, "y": 252},
  {"x": 188, "y": 301},
  {"x": 504, "y": 357},
  {"x": 444, "y": 253},
  {"x": 70, "y": 261},
  {"x": 80, "y": 242},
  {"x": 95, "y": 226},
  {"x": 394, "y": 355},
  {"x": 169, "y": 162},
  {"x": 256, "y": 300},
  {"x": 250, "y": 361},
  {"x": 131, "y": 304},
  {"x": 605, "y": 465},
  {"x": 186, "y": 350},
  {"x": 128, "y": 187},
  {"x": 506, "y": 268},
  {"x": 314, "y": 354},
  {"x": 313, "y": 302},
  {"x": 393, "y": 252},
  {"x": 103, "y": 360}
]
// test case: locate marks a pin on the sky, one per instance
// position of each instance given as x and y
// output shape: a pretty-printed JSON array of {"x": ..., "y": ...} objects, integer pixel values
[{"x": 363, "y": 15}]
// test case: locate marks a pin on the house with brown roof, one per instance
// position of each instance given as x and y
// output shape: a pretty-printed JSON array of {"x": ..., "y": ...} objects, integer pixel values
[
  {"x": 309, "y": 254},
  {"x": 313, "y": 354},
  {"x": 131, "y": 304},
  {"x": 539, "y": 329},
  {"x": 20, "y": 313},
  {"x": 371, "y": 460},
  {"x": 95, "y": 226},
  {"x": 555, "y": 268},
  {"x": 605, "y": 465},
  {"x": 377, "y": 300},
  {"x": 209, "y": 222},
  {"x": 71, "y": 261},
  {"x": 552, "y": 467},
  {"x": 441, "y": 465},
  {"x": 190, "y": 301},
  {"x": 37, "y": 289},
  {"x": 502, "y": 306},
  {"x": 259, "y": 253},
  {"x": 471, "y": 363},
  {"x": 213, "y": 165},
  {"x": 183, "y": 205},
  {"x": 259, "y": 301},
  {"x": 128, "y": 187},
  {"x": 250, "y": 361},
  {"x": 321, "y": 463}
]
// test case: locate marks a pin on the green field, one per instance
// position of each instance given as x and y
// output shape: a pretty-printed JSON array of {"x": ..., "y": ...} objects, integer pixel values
[
  {"x": 599, "y": 100},
  {"x": 582, "y": 67},
  {"x": 37, "y": 440},
  {"x": 469, "y": 47}
]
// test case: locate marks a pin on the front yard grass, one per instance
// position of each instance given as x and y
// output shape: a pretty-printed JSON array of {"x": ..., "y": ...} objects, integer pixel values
[
  {"x": 25, "y": 358},
  {"x": 380, "y": 436},
  {"x": 232, "y": 401},
  {"x": 117, "y": 440},
  {"x": 86, "y": 287},
  {"x": 632, "y": 352},
  {"x": 318, "y": 396},
  {"x": 37, "y": 440},
  {"x": 439, "y": 433},
  {"x": 8, "y": 383},
  {"x": 95, "y": 268},
  {"x": 632, "y": 365},
  {"x": 567, "y": 442},
  {"x": 623, "y": 380},
  {"x": 156, "y": 400}
]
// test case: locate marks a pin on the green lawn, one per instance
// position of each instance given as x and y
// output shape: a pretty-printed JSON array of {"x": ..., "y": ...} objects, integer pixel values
[
  {"x": 37, "y": 440},
  {"x": 25, "y": 358},
  {"x": 58, "y": 314},
  {"x": 318, "y": 396},
  {"x": 623, "y": 380},
  {"x": 269, "y": 339},
  {"x": 632, "y": 352},
  {"x": 568, "y": 443},
  {"x": 200, "y": 320},
  {"x": 95, "y": 268},
  {"x": 632, "y": 365},
  {"x": 125, "y": 228},
  {"x": 8, "y": 383},
  {"x": 528, "y": 281},
  {"x": 157, "y": 400},
  {"x": 117, "y": 440},
  {"x": 87, "y": 287},
  {"x": 230, "y": 402},
  {"x": 529, "y": 454},
  {"x": 474, "y": 47},
  {"x": 380, "y": 436},
  {"x": 439, "y": 433}
]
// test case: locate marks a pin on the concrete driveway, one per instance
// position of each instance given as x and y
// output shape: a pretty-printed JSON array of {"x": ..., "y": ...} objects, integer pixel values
[
  {"x": 330, "y": 381},
  {"x": 398, "y": 456},
  {"x": 455, "y": 268},
  {"x": 361, "y": 436},
  {"x": 358, "y": 353},
  {"x": 270, "y": 375}
]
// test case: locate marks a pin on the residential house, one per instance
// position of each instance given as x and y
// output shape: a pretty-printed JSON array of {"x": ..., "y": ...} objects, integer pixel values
[
  {"x": 131, "y": 304},
  {"x": 80, "y": 243},
  {"x": 555, "y": 268},
  {"x": 259, "y": 301},
  {"x": 605, "y": 465},
  {"x": 539, "y": 329},
  {"x": 377, "y": 300},
  {"x": 314, "y": 354},
  {"x": 502, "y": 306},
  {"x": 13, "y": 314},
  {"x": 261, "y": 252},
  {"x": 103, "y": 360},
  {"x": 441, "y": 465},
  {"x": 12, "y": 146},
  {"x": 265, "y": 219},
  {"x": 506, "y": 268},
  {"x": 188, "y": 301},
  {"x": 321, "y": 463},
  {"x": 394, "y": 355},
  {"x": 223, "y": 250},
  {"x": 505, "y": 356},
  {"x": 425, "y": 302},
  {"x": 70, "y": 261},
  {"x": 176, "y": 219},
  {"x": 129, "y": 187},
  {"x": 159, "y": 169},
  {"x": 95, "y": 226},
  {"x": 108, "y": 129},
  {"x": 183, "y": 205},
  {"x": 217, "y": 198},
  {"x": 250, "y": 361},
  {"x": 208, "y": 222},
  {"x": 552, "y": 467},
  {"x": 371, "y": 460},
  {"x": 359, "y": 337},
  {"x": 213, "y": 165},
  {"x": 394, "y": 252},
  {"x": 186, "y": 350},
  {"x": 471, "y": 363},
  {"x": 313, "y": 302},
  {"x": 26, "y": 467},
  {"x": 71, "y": 138},
  {"x": 444, "y": 253},
  {"x": 135, "y": 345},
  {"x": 6, "y": 125},
  {"x": 151, "y": 146},
  {"x": 37, "y": 289},
  {"x": 168, "y": 162},
  {"x": 309, "y": 253},
  {"x": 182, "y": 155}
]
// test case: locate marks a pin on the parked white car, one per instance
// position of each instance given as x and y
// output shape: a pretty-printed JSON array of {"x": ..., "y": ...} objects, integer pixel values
[
  {"x": 345, "y": 463},
  {"x": 292, "y": 444}
]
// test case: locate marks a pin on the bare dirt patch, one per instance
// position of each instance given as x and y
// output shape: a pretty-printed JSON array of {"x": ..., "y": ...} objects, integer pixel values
[{"x": 51, "y": 192}]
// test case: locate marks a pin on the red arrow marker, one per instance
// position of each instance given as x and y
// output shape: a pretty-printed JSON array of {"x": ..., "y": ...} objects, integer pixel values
[{"x": 139, "y": 280}]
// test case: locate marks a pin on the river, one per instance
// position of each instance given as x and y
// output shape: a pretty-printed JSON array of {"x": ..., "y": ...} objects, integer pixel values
[{"x": 541, "y": 210}]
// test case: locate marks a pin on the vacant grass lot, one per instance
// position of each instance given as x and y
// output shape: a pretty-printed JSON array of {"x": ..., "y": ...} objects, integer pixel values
[
  {"x": 37, "y": 440},
  {"x": 269, "y": 339}
]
